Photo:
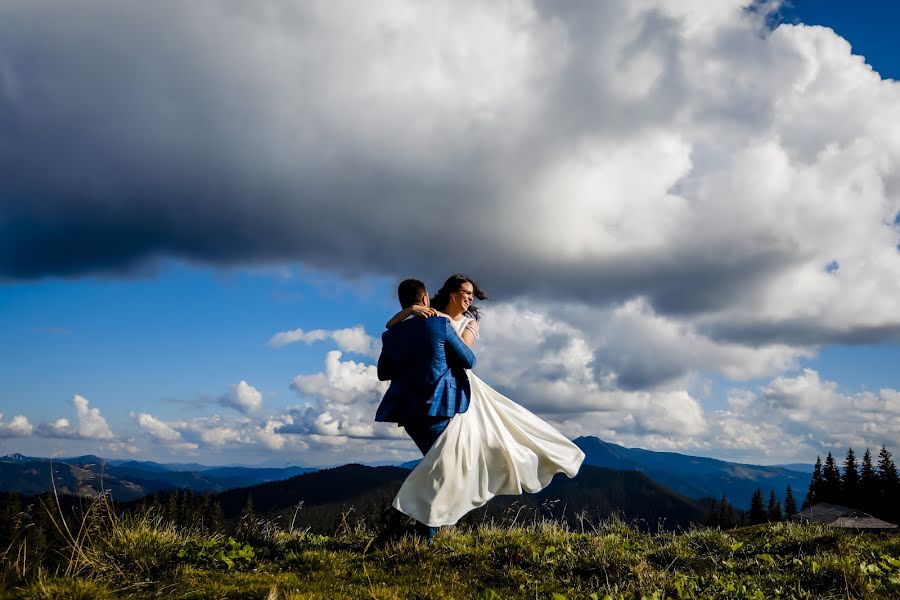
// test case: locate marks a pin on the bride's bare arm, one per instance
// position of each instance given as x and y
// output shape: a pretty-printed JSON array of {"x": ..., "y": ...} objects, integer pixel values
[
  {"x": 416, "y": 309},
  {"x": 470, "y": 333}
]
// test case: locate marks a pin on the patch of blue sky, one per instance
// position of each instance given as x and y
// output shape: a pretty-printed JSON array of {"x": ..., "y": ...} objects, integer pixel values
[
  {"x": 869, "y": 25},
  {"x": 183, "y": 335},
  {"x": 858, "y": 368}
]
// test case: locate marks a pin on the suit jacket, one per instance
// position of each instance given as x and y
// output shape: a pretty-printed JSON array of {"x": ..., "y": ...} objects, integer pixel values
[{"x": 425, "y": 361}]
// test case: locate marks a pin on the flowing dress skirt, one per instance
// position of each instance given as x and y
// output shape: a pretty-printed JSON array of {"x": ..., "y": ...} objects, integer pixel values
[{"x": 494, "y": 448}]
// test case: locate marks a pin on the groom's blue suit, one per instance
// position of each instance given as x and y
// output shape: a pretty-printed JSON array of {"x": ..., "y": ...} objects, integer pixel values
[{"x": 425, "y": 361}]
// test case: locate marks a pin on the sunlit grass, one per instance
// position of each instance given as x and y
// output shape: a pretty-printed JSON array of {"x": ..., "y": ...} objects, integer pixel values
[{"x": 105, "y": 555}]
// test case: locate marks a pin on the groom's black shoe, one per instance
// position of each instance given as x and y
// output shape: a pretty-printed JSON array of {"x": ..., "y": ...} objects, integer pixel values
[{"x": 391, "y": 528}]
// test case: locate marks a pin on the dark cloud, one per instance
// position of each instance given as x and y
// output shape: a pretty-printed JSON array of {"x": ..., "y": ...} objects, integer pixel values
[
  {"x": 801, "y": 332},
  {"x": 590, "y": 152},
  {"x": 644, "y": 371}
]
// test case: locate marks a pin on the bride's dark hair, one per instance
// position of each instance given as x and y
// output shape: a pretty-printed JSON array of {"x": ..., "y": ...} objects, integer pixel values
[{"x": 453, "y": 283}]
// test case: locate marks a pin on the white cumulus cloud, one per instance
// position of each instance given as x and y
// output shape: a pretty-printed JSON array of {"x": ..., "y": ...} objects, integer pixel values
[
  {"x": 18, "y": 426},
  {"x": 156, "y": 428},
  {"x": 350, "y": 339},
  {"x": 243, "y": 397},
  {"x": 89, "y": 423},
  {"x": 340, "y": 402}
]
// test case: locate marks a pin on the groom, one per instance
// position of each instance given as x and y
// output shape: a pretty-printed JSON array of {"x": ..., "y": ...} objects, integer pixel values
[{"x": 425, "y": 361}]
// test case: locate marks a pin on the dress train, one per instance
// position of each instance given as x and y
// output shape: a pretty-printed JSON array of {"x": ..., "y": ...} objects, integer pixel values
[{"x": 496, "y": 447}]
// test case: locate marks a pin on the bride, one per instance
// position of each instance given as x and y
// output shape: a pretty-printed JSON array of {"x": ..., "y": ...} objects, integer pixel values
[{"x": 494, "y": 448}]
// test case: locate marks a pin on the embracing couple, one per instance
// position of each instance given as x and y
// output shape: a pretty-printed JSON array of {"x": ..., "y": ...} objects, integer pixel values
[{"x": 476, "y": 443}]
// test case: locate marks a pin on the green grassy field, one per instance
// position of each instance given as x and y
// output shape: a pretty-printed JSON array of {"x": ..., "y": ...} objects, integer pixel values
[{"x": 106, "y": 556}]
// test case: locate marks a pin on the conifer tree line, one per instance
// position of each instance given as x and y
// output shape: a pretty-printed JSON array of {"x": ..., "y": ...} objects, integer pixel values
[
  {"x": 860, "y": 485},
  {"x": 864, "y": 486},
  {"x": 724, "y": 514},
  {"x": 185, "y": 508}
]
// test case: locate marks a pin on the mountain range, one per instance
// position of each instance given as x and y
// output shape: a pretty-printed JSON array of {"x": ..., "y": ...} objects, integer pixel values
[
  {"x": 692, "y": 477},
  {"x": 697, "y": 476},
  {"x": 125, "y": 480}
]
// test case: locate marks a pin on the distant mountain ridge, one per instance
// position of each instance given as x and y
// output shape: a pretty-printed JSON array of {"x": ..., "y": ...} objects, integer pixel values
[
  {"x": 125, "y": 480},
  {"x": 696, "y": 476}
]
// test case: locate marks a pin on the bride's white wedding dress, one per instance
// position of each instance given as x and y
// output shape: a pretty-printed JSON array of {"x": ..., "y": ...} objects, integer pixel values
[{"x": 494, "y": 448}]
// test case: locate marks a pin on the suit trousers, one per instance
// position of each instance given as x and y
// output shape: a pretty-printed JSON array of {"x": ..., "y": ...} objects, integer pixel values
[{"x": 425, "y": 431}]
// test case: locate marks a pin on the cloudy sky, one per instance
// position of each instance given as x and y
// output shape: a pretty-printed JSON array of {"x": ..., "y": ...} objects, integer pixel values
[{"x": 687, "y": 215}]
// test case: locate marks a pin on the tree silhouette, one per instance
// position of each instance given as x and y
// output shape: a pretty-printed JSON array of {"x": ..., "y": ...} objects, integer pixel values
[
  {"x": 248, "y": 513},
  {"x": 212, "y": 514},
  {"x": 831, "y": 482},
  {"x": 757, "y": 508},
  {"x": 869, "y": 487},
  {"x": 889, "y": 483},
  {"x": 722, "y": 514},
  {"x": 850, "y": 481},
  {"x": 790, "y": 504},
  {"x": 728, "y": 520},
  {"x": 773, "y": 513},
  {"x": 815, "y": 485}
]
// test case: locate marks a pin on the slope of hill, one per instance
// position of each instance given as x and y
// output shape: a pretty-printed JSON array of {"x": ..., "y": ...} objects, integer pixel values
[
  {"x": 354, "y": 493},
  {"x": 30, "y": 478},
  {"x": 695, "y": 476},
  {"x": 152, "y": 557},
  {"x": 327, "y": 486},
  {"x": 145, "y": 465},
  {"x": 800, "y": 467}
]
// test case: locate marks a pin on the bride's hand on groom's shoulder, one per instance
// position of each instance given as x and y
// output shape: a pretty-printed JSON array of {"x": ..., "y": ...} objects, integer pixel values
[{"x": 422, "y": 311}]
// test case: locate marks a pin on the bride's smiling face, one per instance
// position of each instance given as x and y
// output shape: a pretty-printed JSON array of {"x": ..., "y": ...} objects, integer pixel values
[{"x": 462, "y": 298}]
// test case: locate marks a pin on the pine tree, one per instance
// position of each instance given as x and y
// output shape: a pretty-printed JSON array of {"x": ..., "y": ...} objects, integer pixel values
[
  {"x": 773, "y": 513},
  {"x": 790, "y": 505},
  {"x": 172, "y": 508},
  {"x": 869, "y": 488},
  {"x": 10, "y": 517},
  {"x": 729, "y": 518},
  {"x": 248, "y": 509},
  {"x": 831, "y": 481},
  {"x": 717, "y": 511},
  {"x": 757, "y": 508},
  {"x": 725, "y": 517},
  {"x": 714, "y": 518},
  {"x": 247, "y": 524},
  {"x": 887, "y": 470},
  {"x": 214, "y": 516},
  {"x": 889, "y": 484},
  {"x": 815, "y": 485},
  {"x": 850, "y": 481}
]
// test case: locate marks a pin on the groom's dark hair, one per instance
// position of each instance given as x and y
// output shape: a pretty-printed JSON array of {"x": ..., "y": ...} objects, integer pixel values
[{"x": 410, "y": 291}]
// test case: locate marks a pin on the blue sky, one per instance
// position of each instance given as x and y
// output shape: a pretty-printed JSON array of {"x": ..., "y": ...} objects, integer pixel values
[
  {"x": 173, "y": 341},
  {"x": 866, "y": 25},
  {"x": 179, "y": 335},
  {"x": 153, "y": 243}
]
